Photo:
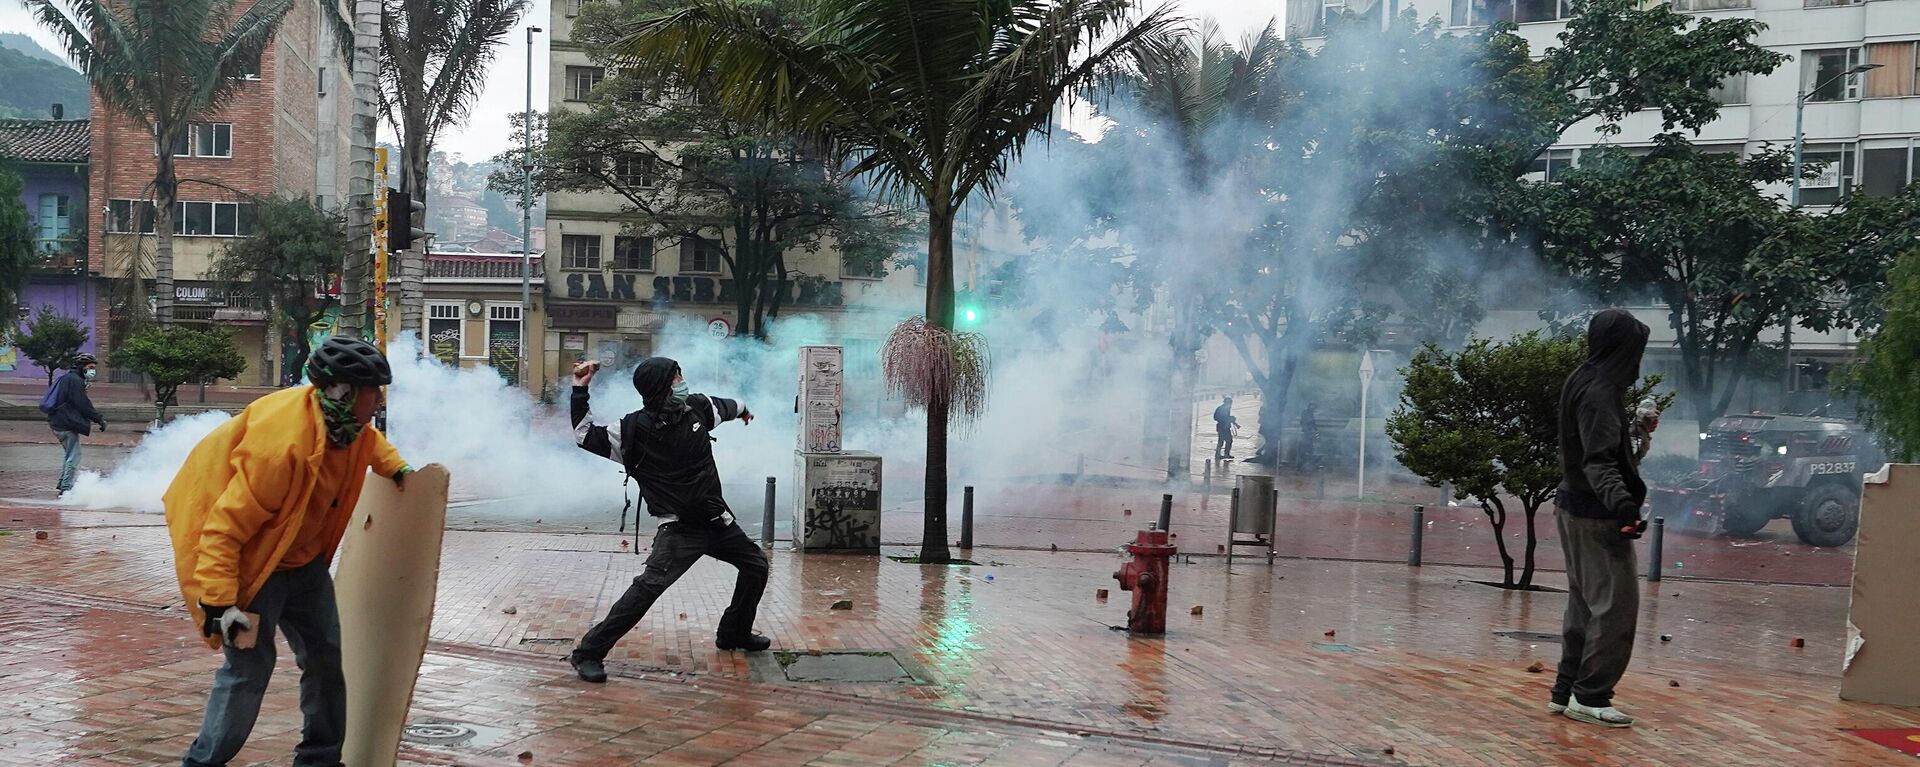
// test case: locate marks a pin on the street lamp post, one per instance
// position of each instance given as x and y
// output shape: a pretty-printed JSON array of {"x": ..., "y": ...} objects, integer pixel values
[
  {"x": 526, "y": 213},
  {"x": 1793, "y": 199}
]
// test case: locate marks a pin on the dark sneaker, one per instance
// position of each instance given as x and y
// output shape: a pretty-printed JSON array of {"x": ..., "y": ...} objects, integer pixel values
[
  {"x": 589, "y": 669},
  {"x": 751, "y": 643}
]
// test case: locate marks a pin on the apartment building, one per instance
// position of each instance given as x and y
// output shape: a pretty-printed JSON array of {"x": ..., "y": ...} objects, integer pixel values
[
  {"x": 285, "y": 133},
  {"x": 612, "y": 286},
  {"x": 50, "y": 156}
]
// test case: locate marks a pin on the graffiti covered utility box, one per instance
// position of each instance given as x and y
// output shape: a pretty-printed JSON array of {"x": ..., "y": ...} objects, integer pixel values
[
  {"x": 821, "y": 371},
  {"x": 838, "y": 508}
]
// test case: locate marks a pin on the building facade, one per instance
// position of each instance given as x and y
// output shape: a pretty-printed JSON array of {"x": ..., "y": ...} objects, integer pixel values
[
  {"x": 613, "y": 288},
  {"x": 474, "y": 317},
  {"x": 51, "y": 157},
  {"x": 285, "y": 133}
]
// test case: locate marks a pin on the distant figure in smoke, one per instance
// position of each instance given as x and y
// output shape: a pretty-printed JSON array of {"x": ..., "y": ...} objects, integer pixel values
[
  {"x": 256, "y": 514},
  {"x": 69, "y": 411},
  {"x": 667, "y": 448},
  {"x": 1599, "y": 502},
  {"x": 1223, "y": 425}
]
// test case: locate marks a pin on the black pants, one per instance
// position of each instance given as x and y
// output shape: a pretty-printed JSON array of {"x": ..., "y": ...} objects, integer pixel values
[
  {"x": 1603, "y": 609},
  {"x": 1224, "y": 448},
  {"x": 676, "y": 546}
]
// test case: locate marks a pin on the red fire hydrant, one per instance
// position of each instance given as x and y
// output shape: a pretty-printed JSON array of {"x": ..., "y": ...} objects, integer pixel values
[{"x": 1146, "y": 576}]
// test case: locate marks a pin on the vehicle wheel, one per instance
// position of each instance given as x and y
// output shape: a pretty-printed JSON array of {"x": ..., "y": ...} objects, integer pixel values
[
  {"x": 1746, "y": 521},
  {"x": 1829, "y": 515}
]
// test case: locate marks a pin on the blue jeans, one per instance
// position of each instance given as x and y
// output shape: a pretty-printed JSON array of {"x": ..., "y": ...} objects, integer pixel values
[
  {"x": 300, "y": 601},
  {"x": 70, "y": 442}
]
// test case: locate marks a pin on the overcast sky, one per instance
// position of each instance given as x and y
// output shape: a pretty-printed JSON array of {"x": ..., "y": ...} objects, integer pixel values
[{"x": 487, "y": 133}]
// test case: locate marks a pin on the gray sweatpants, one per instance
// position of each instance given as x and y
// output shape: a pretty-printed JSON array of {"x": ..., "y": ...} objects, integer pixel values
[{"x": 1603, "y": 609}]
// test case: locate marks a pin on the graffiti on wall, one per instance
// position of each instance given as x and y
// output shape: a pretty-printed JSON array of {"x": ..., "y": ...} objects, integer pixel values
[
  {"x": 443, "y": 340},
  {"x": 842, "y": 503},
  {"x": 503, "y": 349}
]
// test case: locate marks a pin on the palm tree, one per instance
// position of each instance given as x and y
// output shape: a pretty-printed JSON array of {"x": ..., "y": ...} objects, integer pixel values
[
  {"x": 433, "y": 65},
  {"x": 933, "y": 99},
  {"x": 1192, "y": 89},
  {"x": 163, "y": 63}
]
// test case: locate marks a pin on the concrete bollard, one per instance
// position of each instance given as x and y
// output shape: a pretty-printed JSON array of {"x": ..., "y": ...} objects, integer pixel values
[
  {"x": 1166, "y": 512},
  {"x": 766, "y": 517},
  {"x": 966, "y": 518},
  {"x": 1417, "y": 537},
  {"x": 1654, "y": 549}
]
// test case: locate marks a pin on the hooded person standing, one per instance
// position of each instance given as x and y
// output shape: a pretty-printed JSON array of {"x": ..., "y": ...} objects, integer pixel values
[
  {"x": 1599, "y": 502},
  {"x": 256, "y": 514},
  {"x": 667, "y": 448},
  {"x": 69, "y": 411},
  {"x": 1223, "y": 425}
]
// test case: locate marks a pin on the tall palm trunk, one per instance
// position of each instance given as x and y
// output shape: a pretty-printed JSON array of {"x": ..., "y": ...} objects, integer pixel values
[
  {"x": 165, "y": 192},
  {"x": 357, "y": 270},
  {"x": 940, "y": 295}
]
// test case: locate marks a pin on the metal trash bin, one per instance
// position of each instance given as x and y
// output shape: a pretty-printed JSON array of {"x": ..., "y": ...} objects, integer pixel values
[{"x": 1258, "y": 504}]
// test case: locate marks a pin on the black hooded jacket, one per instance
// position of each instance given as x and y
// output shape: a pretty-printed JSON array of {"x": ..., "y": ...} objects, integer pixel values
[
  {"x": 1598, "y": 479},
  {"x": 666, "y": 446}
]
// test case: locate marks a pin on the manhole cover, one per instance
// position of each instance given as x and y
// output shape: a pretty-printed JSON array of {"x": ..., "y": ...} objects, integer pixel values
[
  {"x": 847, "y": 666},
  {"x": 438, "y": 733},
  {"x": 1529, "y": 636}
]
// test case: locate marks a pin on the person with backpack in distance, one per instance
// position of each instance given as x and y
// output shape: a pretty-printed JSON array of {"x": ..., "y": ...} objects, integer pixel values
[
  {"x": 667, "y": 448},
  {"x": 69, "y": 412}
]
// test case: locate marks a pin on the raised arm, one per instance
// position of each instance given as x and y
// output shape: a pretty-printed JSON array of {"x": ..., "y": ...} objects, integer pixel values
[{"x": 591, "y": 434}]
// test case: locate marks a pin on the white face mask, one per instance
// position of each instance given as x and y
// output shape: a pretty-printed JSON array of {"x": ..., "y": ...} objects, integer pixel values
[
  {"x": 89, "y": 374},
  {"x": 680, "y": 391}
]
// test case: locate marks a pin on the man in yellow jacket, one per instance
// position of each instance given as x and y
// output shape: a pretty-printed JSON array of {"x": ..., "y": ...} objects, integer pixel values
[{"x": 255, "y": 514}]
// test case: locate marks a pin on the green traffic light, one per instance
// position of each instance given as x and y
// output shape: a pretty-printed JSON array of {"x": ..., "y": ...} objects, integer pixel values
[{"x": 970, "y": 315}]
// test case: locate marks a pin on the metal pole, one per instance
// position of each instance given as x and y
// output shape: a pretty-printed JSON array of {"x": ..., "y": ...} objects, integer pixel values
[
  {"x": 1166, "y": 511},
  {"x": 1419, "y": 532},
  {"x": 766, "y": 517},
  {"x": 966, "y": 518},
  {"x": 526, "y": 214},
  {"x": 1653, "y": 560},
  {"x": 1360, "y": 485},
  {"x": 1799, "y": 142},
  {"x": 1233, "y": 521}
]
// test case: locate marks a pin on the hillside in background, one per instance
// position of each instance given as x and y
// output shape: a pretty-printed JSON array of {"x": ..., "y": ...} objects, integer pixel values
[{"x": 32, "y": 79}]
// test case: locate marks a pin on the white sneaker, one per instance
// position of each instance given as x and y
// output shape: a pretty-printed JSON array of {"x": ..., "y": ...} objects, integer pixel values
[
  {"x": 1605, "y": 716},
  {"x": 1556, "y": 708}
]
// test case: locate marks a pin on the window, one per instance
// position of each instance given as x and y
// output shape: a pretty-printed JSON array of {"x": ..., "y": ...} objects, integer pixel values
[
  {"x": 580, "y": 251},
  {"x": 1899, "y": 72},
  {"x": 249, "y": 70},
  {"x": 1889, "y": 167},
  {"x": 1830, "y": 3},
  {"x": 446, "y": 332},
  {"x": 56, "y": 222},
  {"x": 633, "y": 254},
  {"x": 503, "y": 340},
  {"x": 1480, "y": 13},
  {"x": 130, "y": 216},
  {"x": 634, "y": 170},
  {"x": 213, "y": 140},
  {"x": 212, "y": 219},
  {"x": 1710, "y": 5},
  {"x": 1732, "y": 90},
  {"x": 1835, "y": 181},
  {"x": 582, "y": 80},
  {"x": 1823, "y": 74},
  {"x": 570, "y": 7},
  {"x": 699, "y": 255},
  {"x": 863, "y": 267},
  {"x": 1550, "y": 164}
]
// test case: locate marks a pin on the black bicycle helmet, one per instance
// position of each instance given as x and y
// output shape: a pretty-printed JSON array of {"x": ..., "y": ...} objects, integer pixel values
[
  {"x": 84, "y": 359},
  {"x": 349, "y": 360}
]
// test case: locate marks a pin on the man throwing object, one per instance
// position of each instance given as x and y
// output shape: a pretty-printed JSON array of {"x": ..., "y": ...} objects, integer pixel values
[{"x": 667, "y": 447}]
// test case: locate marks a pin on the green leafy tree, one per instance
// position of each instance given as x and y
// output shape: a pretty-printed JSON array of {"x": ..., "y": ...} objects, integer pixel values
[
  {"x": 686, "y": 173},
  {"x": 1888, "y": 374},
  {"x": 295, "y": 247},
  {"x": 164, "y": 63},
  {"x": 1486, "y": 419},
  {"x": 932, "y": 99},
  {"x": 16, "y": 247},
  {"x": 1692, "y": 231},
  {"x": 51, "y": 340},
  {"x": 434, "y": 56},
  {"x": 172, "y": 355}
]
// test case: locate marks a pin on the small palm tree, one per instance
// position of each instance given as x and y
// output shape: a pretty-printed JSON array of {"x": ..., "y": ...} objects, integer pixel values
[
  {"x": 933, "y": 99},
  {"x": 433, "y": 65},
  {"x": 163, "y": 63}
]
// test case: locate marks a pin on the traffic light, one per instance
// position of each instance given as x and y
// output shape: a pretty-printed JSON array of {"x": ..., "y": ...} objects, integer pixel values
[
  {"x": 400, "y": 211},
  {"x": 969, "y": 310}
]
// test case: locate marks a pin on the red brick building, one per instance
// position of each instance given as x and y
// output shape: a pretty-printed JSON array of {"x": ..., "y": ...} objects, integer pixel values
[{"x": 286, "y": 132}]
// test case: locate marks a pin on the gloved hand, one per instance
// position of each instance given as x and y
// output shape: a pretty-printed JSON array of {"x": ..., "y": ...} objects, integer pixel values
[
  {"x": 103, "y": 425},
  {"x": 225, "y": 622},
  {"x": 746, "y": 416},
  {"x": 1634, "y": 530},
  {"x": 400, "y": 477}
]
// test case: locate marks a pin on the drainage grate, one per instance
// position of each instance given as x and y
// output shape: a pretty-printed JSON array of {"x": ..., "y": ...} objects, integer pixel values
[
  {"x": 1529, "y": 636},
  {"x": 438, "y": 733},
  {"x": 546, "y": 640},
  {"x": 846, "y": 666}
]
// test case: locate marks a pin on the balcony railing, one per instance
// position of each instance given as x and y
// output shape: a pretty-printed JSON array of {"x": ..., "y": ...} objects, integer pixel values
[{"x": 65, "y": 255}]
